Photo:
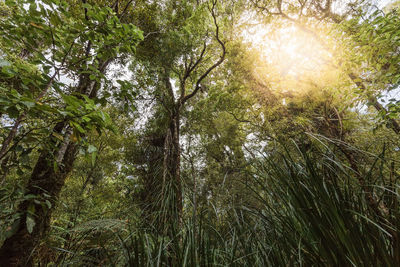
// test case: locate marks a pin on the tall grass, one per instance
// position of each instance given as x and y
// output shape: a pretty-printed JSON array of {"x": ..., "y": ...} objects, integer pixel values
[
  {"x": 309, "y": 211},
  {"x": 314, "y": 213}
]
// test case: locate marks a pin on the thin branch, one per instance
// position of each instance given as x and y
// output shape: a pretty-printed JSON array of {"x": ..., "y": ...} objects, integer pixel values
[
  {"x": 216, "y": 64},
  {"x": 120, "y": 16},
  {"x": 189, "y": 69}
]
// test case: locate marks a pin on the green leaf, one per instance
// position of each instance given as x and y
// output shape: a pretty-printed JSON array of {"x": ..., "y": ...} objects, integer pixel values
[
  {"x": 48, "y": 204},
  {"x": 94, "y": 158},
  {"x": 30, "y": 196},
  {"x": 28, "y": 104},
  {"x": 58, "y": 136},
  {"x": 30, "y": 223},
  {"x": 72, "y": 101},
  {"x": 55, "y": 166},
  {"x": 77, "y": 127},
  {"x": 92, "y": 148}
]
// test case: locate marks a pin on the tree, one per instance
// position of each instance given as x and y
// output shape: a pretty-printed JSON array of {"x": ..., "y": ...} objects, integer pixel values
[
  {"x": 82, "y": 48},
  {"x": 185, "y": 59},
  {"x": 353, "y": 24}
]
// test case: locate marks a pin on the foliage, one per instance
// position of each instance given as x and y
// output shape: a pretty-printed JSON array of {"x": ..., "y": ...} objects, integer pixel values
[{"x": 162, "y": 133}]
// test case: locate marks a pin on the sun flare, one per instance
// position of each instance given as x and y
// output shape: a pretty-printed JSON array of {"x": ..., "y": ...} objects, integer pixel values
[{"x": 289, "y": 50}]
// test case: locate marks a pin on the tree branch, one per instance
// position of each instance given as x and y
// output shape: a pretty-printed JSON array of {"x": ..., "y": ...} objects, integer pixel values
[{"x": 216, "y": 64}]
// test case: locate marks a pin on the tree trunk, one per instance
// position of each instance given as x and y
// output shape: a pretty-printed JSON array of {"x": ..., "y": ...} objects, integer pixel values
[
  {"x": 176, "y": 164},
  {"x": 172, "y": 189},
  {"x": 45, "y": 179},
  {"x": 171, "y": 184},
  {"x": 48, "y": 177}
]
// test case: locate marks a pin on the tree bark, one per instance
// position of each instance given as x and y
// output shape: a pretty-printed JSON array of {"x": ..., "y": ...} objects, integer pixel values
[
  {"x": 48, "y": 177},
  {"x": 172, "y": 161},
  {"x": 45, "y": 179},
  {"x": 172, "y": 187}
]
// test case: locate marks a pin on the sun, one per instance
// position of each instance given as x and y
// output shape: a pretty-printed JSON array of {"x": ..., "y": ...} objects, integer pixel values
[{"x": 292, "y": 52}]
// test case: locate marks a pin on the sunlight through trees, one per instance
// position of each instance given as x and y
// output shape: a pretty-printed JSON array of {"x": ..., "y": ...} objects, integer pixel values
[{"x": 199, "y": 133}]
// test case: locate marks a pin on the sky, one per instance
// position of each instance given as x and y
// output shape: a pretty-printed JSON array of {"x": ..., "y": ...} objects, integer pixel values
[{"x": 383, "y": 3}]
